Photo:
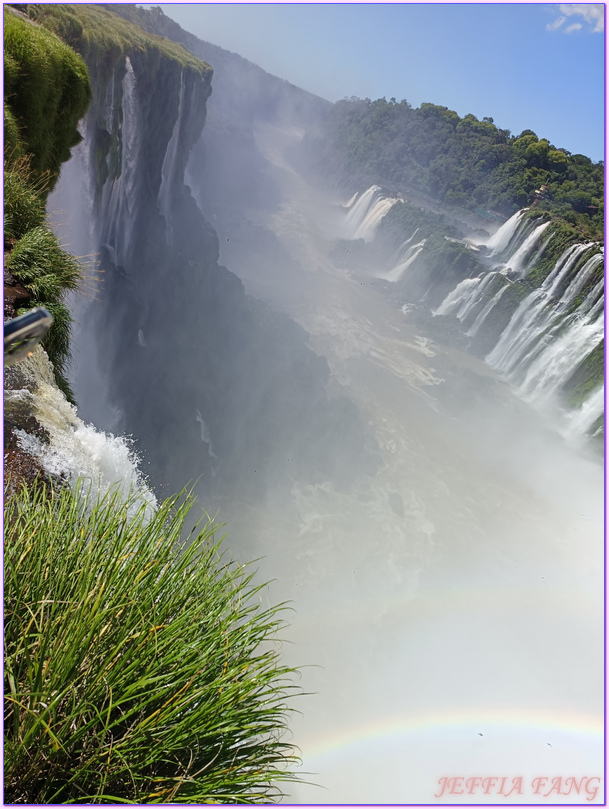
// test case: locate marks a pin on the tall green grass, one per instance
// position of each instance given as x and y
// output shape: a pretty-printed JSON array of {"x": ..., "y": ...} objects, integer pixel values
[
  {"x": 24, "y": 202},
  {"x": 140, "y": 667}
]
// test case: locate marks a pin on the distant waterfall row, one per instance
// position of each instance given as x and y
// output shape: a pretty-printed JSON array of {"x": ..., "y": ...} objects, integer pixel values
[
  {"x": 554, "y": 328},
  {"x": 364, "y": 213},
  {"x": 536, "y": 337}
]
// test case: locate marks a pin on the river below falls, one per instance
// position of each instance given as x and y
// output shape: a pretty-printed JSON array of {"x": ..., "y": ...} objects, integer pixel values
[{"x": 447, "y": 609}]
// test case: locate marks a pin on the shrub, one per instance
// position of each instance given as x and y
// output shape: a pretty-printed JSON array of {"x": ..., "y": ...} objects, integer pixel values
[{"x": 138, "y": 663}]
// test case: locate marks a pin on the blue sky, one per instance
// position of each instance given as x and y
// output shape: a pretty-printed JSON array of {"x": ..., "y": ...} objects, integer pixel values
[{"x": 536, "y": 66}]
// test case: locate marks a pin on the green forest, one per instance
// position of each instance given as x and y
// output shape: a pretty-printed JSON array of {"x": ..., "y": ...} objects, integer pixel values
[{"x": 462, "y": 162}]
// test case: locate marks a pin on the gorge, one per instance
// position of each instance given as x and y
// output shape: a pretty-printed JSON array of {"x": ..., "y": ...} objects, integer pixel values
[{"x": 396, "y": 411}]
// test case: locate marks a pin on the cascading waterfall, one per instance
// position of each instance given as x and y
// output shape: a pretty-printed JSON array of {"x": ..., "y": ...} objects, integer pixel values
[
  {"x": 553, "y": 363},
  {"x": 409, "y": 255},
  {"x": 459, "y": 297},
  {"x": 118, "y": 210},
  {"x": 75, "y": 451},
  {"x": 466, "y": 295},
  {"x": 584, "y": 419},
  {"x": 500, "y": 240},
  {"x": 526, "y": 254},
  {"x": 403, "y": 248},
  {"x": 566, "y": 339},
  {"x": 365, "y": 213},
  {"x": 536, "y": 316},
  {"x": 552, "y": 330},
  {"x": 168, "y": 171},
  {"x": 484, "y": 313},
  {"x": 547, "y": 339}
]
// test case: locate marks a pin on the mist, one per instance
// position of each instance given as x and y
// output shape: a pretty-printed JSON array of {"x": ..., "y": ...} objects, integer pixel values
[{"x": 437, "y": 534}]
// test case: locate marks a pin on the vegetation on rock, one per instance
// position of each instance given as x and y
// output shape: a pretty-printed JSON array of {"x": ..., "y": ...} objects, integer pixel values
[{"x": 46, "y": 91}]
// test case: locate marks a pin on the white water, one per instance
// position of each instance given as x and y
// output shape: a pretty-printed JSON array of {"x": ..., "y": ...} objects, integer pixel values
[
  {"x": 459, "y": 297},
  {"x": 466, "y": 295},
  {"x": 404, "y": 247},
  {"x": 553, "y": 362},
  {"x": 77, "y": 452},
  {"x": 501, "y": 239},
  {"x": 529, "y": 352},
  {"x": 538, "y": 350},
  {"x": 118, "y": 210},
  {"x": 481, "y": 317},
  {"x": 584, "y": 419},
  {"x": 365, "y": 212},
  {"x": 527, "y": 252},
  {"x": 397, "y": 273}
]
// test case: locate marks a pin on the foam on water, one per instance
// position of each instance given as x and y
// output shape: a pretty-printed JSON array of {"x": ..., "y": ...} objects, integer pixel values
[{"x": 76, "y": 451}]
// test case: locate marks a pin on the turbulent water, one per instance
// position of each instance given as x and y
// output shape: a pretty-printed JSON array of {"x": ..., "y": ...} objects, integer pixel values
[
  {"x": 73, "y": 451},
  {"x": 447, "y": 606}
]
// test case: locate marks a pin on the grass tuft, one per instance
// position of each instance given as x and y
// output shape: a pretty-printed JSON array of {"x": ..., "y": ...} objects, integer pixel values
[
  {"x": 138, "y": 664},
  {"x": 24, "y": 204},
  {"x": 47, "y": 271},
  {"x": 38, "y": 261}
]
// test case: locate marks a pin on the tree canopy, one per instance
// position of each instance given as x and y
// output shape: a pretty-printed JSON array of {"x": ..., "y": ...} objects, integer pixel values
[{"x": 459, "y": 161}]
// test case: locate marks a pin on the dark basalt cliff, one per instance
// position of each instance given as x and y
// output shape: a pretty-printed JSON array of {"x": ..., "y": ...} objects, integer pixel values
[{"x": 210, "y": 382}]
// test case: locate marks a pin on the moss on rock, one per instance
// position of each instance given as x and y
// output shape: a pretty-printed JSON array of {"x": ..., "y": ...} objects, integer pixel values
[{"x": 47, "y": 90}]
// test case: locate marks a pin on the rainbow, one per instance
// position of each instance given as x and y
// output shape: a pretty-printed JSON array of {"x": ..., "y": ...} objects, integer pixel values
[{"x": 399, "y": 730}]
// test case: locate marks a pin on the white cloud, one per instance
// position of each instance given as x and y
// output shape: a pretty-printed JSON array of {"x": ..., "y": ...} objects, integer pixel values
[
  {"x": 592, "y": 13},
  {"x": 576, "y": 26},
  {"x": 552, "y": 26}
]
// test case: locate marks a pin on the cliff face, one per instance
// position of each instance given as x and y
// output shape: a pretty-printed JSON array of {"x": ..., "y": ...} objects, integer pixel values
[{"x": 209, "y": 381}]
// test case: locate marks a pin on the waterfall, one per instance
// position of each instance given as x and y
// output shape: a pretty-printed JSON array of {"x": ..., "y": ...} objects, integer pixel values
[
  {"x": 525, "y": 255},
  {"x": 168, "y": 171},
  {"x": 459, "y": 297},
  {"x": 409, "y": 255},
  {"x": 466, "y": 295},
  {"x": 74, "y": 450},
  {"x": 401, "y": 251},
  {"x": 584, "y": 419},
  {"x": 484, "y": 313},
  {"x": 553, "y": 361},
  {"x": 118, "y": 199},
  {"x": 500, "y": 240},
  {"x": 365, "y": 213},
  {"x": 547, "y": 338},
  {"x": 552, "y": 330},
  {"x": 538, "y": 315}
]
